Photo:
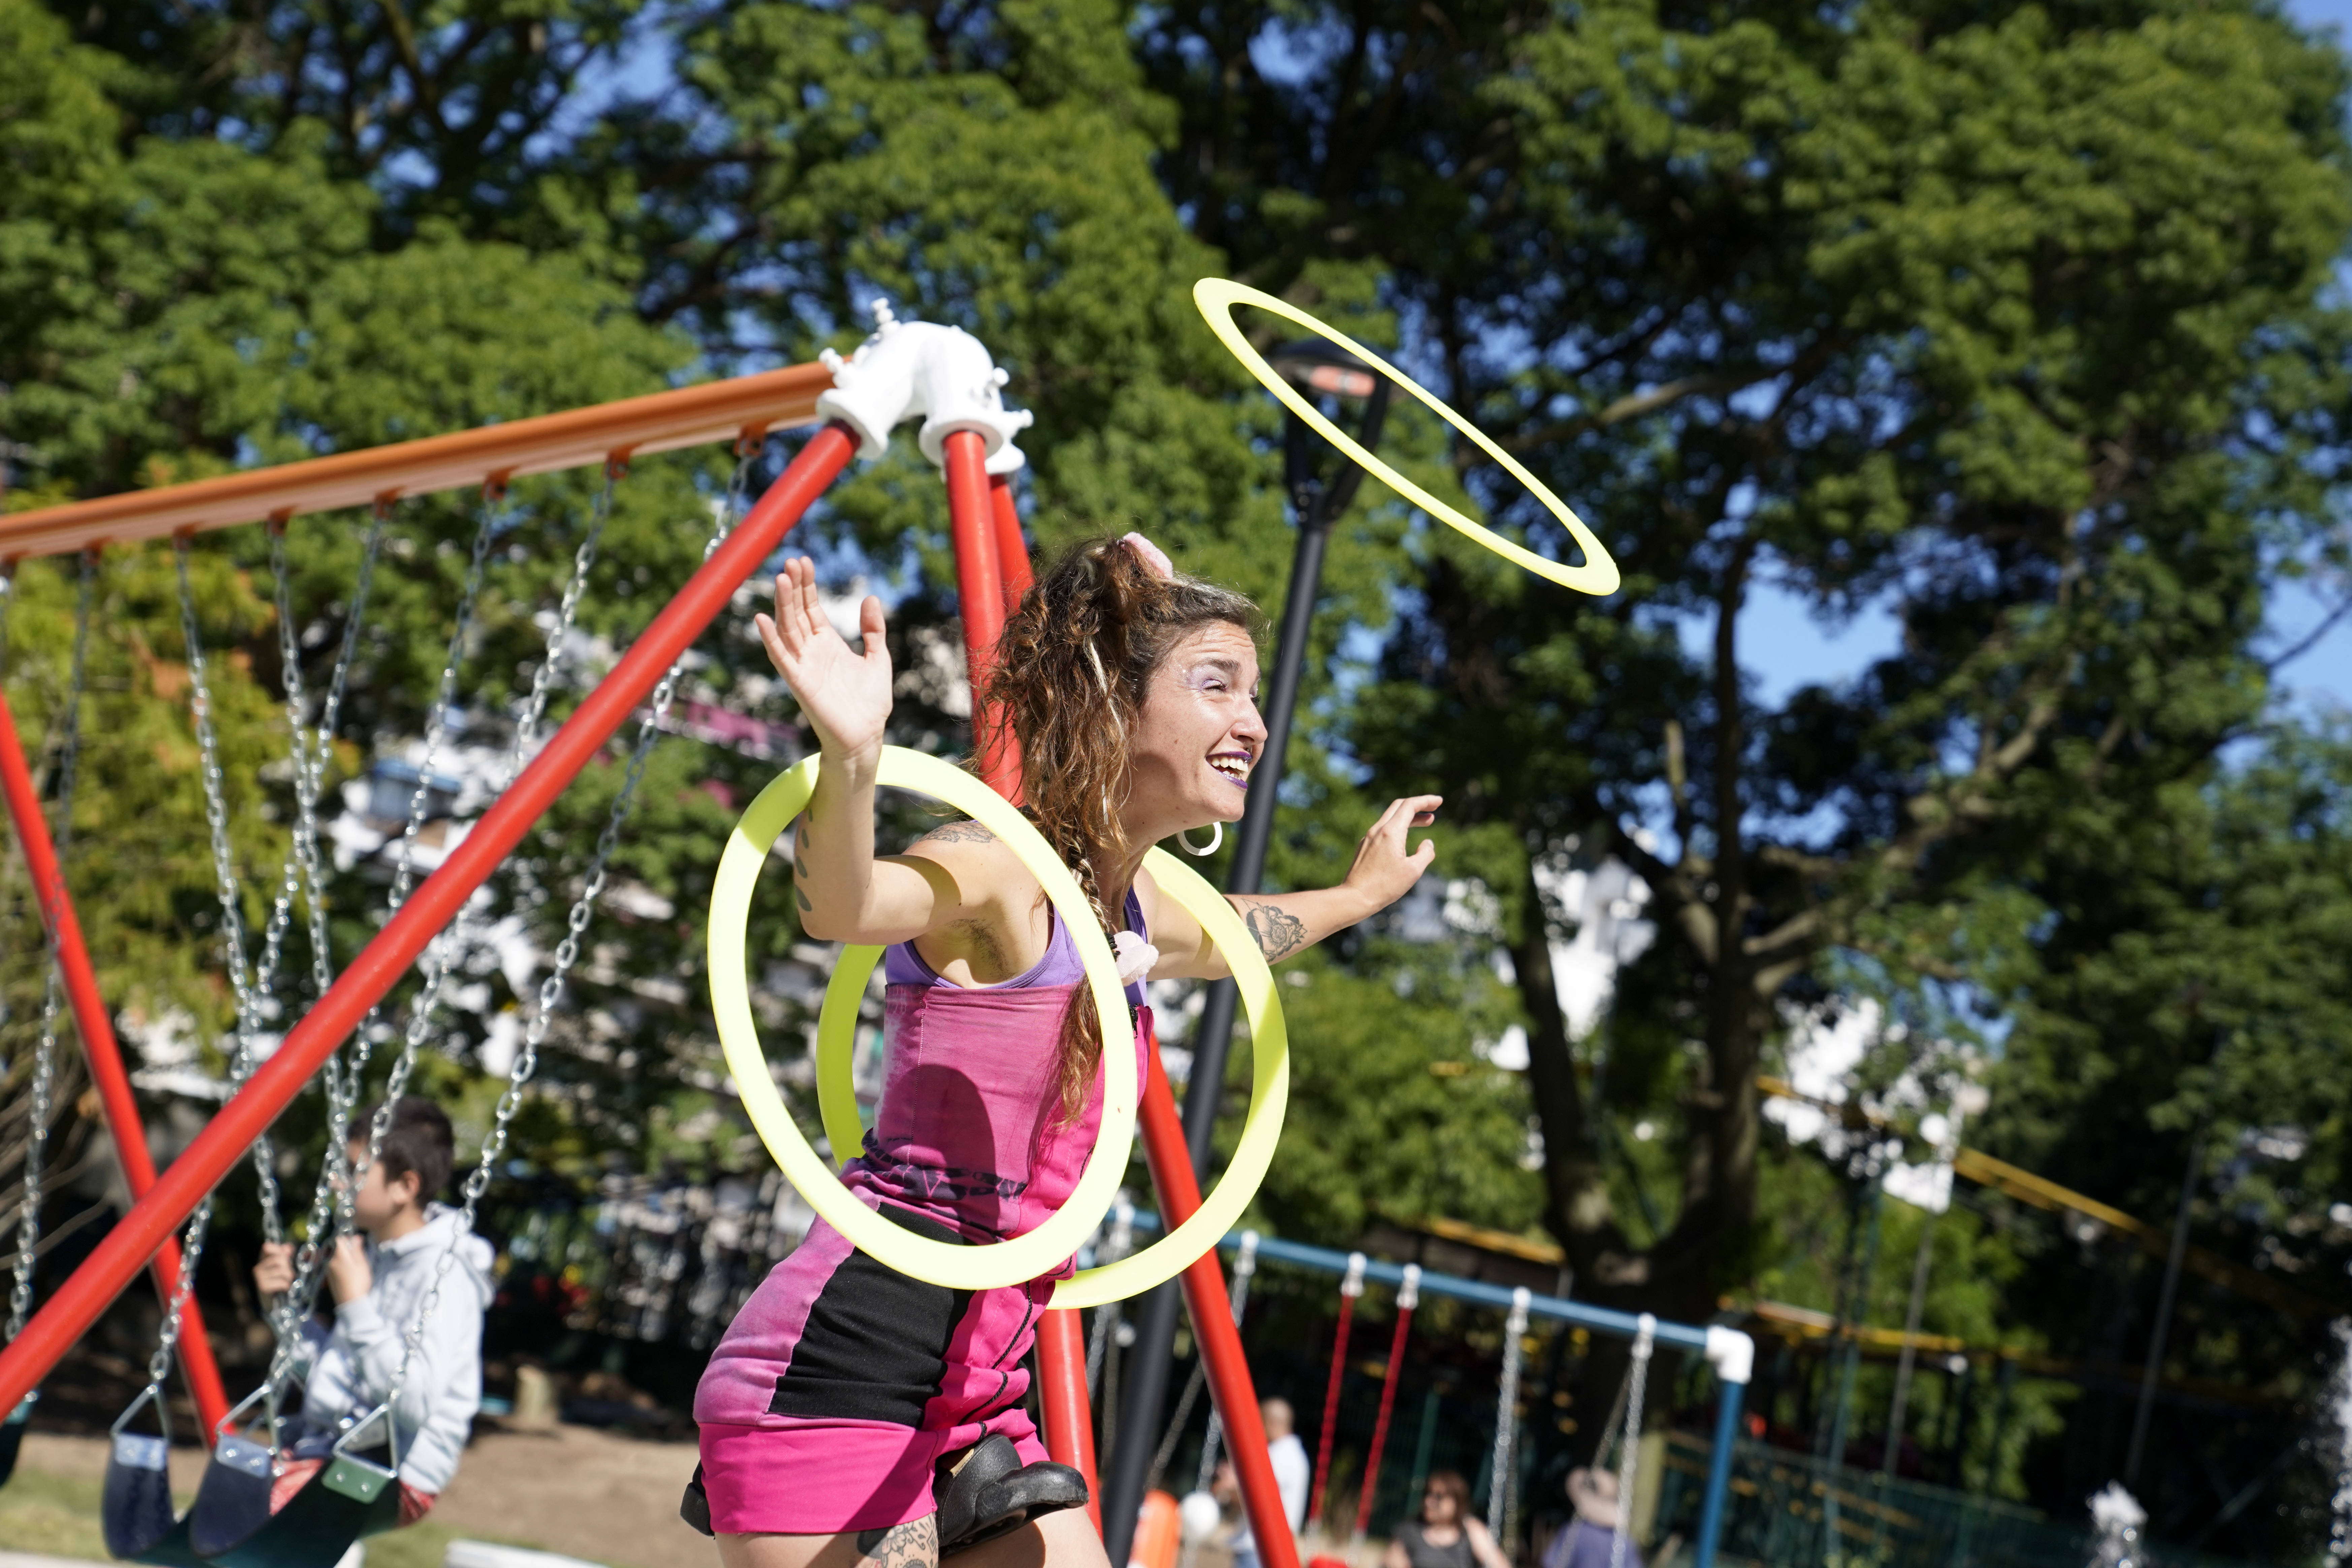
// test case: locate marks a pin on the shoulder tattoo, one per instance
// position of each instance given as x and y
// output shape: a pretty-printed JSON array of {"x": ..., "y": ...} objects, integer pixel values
[
  {"x": 1278, "y": 932},
  {"x": 958, "y": 833}
]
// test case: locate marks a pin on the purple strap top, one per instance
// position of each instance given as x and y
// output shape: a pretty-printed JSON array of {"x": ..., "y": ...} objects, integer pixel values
[
  {"x": 902, "y": 966},
  {"x": 969, "y": 1129}
]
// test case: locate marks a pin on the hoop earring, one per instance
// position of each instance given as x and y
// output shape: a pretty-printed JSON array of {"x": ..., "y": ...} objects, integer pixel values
[{"x": 1216, "y": 837}]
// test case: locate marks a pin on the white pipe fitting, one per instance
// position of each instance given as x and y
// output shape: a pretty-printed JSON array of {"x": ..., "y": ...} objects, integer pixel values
[
  {"x": 1353, "y": 1284},
  {"x": 1409, "y": 1292},
  {"x": 919, "y": 369},
  {"x": 1731, "y": 1354}
]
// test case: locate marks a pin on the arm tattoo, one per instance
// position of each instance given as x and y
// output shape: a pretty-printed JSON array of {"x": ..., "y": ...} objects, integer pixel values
[
  {"x": 958, "y": 833},
  {"x": 915, "y": 1544},
  {"x": 1279, "y": 933}
]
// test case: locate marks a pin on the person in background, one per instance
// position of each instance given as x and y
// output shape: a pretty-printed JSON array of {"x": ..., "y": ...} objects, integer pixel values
[
  {"x": 378, "y": 1287},
  {"x": 1294, "y": 1473},
  {"x": 1584, "y": 1541},
  {"x": 1444, "y": 1535}
]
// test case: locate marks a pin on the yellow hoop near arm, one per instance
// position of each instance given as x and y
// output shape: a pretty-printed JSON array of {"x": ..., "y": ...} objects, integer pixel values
[
  {"x": 1269, "y": 1089},
  {"x": 1270, "y": 1098},
  {"x": 986, "y": 1268},
  {"x": 1216, "y": 297}
]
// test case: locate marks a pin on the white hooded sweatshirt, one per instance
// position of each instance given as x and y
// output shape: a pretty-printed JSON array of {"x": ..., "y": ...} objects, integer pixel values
[{"x": 353, "y": 1367}]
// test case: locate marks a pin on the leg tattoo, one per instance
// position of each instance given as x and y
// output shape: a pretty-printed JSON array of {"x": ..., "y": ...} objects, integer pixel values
[{"x": 914, "y": 1545}]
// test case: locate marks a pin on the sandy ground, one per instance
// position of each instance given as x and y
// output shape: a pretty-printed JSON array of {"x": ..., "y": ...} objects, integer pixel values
[{"x": 577, "y": 1489}]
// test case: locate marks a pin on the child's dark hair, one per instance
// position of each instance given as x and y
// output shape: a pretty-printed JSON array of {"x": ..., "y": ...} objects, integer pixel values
[
  {"x": 1072, "y": 667},
  {"x": 419, "y": 1140}
]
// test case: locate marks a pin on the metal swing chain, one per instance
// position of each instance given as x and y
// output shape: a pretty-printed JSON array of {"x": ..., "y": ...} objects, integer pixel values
[
  {"x": 436, "y": 956},
  {"x": 1506, "y": 1417},
  {"x": 241, "y": 1061},
  {"x": 1629, "y": 1459},
  {"x": 444, "y": 953},
  {"x": 339, "y": 1082},
  {"x": 309, "y": 1272},
  {"x": 45, "y": 1053},
  {"x": 567, "y": 953}
]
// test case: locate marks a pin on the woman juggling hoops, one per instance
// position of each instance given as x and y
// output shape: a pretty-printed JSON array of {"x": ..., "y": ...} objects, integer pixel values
[{"x": 852, "y": 1411}]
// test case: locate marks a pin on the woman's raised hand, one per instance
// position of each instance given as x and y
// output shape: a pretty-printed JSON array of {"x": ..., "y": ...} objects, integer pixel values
[
  {"x": 845, "y": 694},
  {"x": 1386, "y": 867}
]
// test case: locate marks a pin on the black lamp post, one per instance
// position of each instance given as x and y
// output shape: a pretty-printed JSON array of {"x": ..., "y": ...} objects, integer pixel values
[{"x": 1320, "y": 482}]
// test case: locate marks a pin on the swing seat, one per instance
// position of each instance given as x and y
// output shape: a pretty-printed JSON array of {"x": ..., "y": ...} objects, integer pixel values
[
  {"x": 12, "y": 1436},
  {"x": 135, "y": 1511},
  {"x": 985, "y": 1492},
  {"x": 351, "y": 1495},
  {"x": 990, "y": 1492}
]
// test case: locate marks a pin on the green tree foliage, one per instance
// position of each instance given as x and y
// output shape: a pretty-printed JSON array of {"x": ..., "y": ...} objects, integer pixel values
[{"x": 2012, "y": 320}]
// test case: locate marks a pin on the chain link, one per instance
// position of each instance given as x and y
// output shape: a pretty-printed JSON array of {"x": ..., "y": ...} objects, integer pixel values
[
  {"x": 1630, "y": 1456},
  {"x": 339, "y": 1080},
  {"x": 567, "y": 953},
  {"x": 192, "y": 1246},
  {"x": 241, "y": 979},
  {"x": 1507, "y": 1421},
  {"x": 443, "y": 955},
  {"x": 45, "y": 1053}
]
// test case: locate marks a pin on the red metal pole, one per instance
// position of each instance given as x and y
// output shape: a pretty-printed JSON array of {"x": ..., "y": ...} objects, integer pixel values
[
  {"x": 96, "y": 1027},
  {"x": 980, "y": 592},
  {"x": 1213, "y": 1318},
  {"x": 1062, "y": 1390},
  {"x": 1405, "y": 1299},
  {"x": 1012, "y": 551},
  {"x": 1331, "y": 1396},
  {"x": 385, "y": 960}
]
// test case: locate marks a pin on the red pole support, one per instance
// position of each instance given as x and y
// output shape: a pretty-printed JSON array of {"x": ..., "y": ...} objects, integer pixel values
[
  {"x": 980, "y": 593},
  {"x": 96, "y": 1027},
  {"x": 385, "y": 960},
  {"x": 1213, "y": 1318},
  {"x": 1408, "y": 1297},
  {"x": 1062, "y": 1390},
  {"x": 1350, "y": 1288},
  {"x": 1012, "y": 549}
]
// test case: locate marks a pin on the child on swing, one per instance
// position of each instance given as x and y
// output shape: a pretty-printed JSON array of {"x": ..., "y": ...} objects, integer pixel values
[
  {"x": 843, "y": 1391},
  {"x": 378, "y": 1286}
]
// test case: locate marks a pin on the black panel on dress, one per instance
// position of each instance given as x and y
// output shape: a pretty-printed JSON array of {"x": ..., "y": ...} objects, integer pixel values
[{"x": 877, "y": 1341}]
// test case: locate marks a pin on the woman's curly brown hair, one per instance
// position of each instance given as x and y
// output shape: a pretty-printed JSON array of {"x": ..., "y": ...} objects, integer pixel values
[{"x": 1071, "y": 671}]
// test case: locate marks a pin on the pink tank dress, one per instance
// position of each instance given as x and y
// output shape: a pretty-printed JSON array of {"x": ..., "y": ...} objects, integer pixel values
[{"x": 841, "y": 1382}]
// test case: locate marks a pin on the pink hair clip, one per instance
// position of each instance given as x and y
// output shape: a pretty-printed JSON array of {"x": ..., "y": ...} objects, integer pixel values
[{"x": 1150, "y": 555}]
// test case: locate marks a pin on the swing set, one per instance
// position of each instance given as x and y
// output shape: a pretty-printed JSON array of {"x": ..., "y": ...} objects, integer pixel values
[{"x": 907, "y": 371}]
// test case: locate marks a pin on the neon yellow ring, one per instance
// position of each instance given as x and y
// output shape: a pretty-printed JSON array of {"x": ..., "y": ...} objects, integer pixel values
[
  {"x": 989, "y": 1267},
  {"x": 1216, "y": 297},
  {"x": 1269, "y": 1089}
]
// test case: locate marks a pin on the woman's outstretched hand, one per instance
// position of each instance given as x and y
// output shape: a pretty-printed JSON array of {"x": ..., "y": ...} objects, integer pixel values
[
  {"x": 845, "y": 694},
  {"x": 1386, "y": 867}
]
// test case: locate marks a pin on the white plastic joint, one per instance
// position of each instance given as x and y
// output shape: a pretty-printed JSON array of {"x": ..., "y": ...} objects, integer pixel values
[
  {"x": 1521, "y": 1298},
  {"x": 1645, "y": 1336},
  {"x": 1353, "y": 1285},
  {"x": 1245, "y": 1257},
  {"x": 1731, "y": 1354},
  {"x": 1409, "y": 1292},
  {"x": 919, "y": 369}
]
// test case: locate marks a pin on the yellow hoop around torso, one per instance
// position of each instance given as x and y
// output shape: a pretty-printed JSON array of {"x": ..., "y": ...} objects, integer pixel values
[
  {"x": 1269, "y": 1089},
  {"x": 999, "y": 1264}
]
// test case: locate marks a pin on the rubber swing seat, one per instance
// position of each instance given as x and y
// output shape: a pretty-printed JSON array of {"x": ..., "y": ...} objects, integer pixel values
[{"x": 982, "y": 1492}]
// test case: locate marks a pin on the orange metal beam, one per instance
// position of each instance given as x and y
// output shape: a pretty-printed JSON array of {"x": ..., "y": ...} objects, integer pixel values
[{"x": 659, "y": 422}]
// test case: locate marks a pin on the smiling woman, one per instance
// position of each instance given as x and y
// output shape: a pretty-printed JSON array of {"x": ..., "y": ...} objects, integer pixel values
[{"x": 842, "y": 1387}]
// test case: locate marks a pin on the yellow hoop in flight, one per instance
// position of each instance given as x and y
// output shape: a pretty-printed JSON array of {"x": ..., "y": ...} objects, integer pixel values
[
  {"x": 1014, "y": 1262},
  {"x": 1216, "y": 297},
  {"x": 1269, "y": 1087}
]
